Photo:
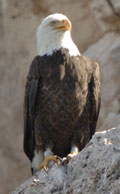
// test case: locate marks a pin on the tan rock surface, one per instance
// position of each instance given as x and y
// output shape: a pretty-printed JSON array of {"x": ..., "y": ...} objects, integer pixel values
[
  {"x": 107, "y": 52},
  {"x": 107, "y": 13}
]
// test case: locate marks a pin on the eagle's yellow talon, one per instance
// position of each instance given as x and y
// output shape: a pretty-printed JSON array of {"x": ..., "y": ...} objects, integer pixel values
[
  {"x": 46, "y": 168},
  {"x": 72, "y": 154},
  {"x": 69, "y": 156},
  {"x": 46, "y": 161}
]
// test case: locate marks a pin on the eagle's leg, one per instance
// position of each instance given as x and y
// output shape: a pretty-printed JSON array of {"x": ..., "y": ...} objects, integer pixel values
[
  {"x": 37, "y": 160},
  {"x": 74, "y": 152},
  {"x": 48, "y": 157}
]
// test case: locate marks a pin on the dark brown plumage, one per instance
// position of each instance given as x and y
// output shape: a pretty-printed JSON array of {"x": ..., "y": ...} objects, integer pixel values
[{"x": 62, "y": 102}]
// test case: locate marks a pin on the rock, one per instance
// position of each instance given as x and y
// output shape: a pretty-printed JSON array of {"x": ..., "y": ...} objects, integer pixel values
[
  {"x": 106, "y": 52},
  {"x": 115, "y": 4},
  {"x": 107, "y": 13},
  {"x": 96, "y": 169}
]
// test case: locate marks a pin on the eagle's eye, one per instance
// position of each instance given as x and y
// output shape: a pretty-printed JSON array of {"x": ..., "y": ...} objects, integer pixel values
[{"x": 53, "y": 23}]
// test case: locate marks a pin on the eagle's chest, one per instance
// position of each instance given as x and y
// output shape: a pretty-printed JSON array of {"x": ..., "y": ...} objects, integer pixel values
[
  {"x": 61, "y": 102},
  {"x": 60, "y": 96},
  {"x": 63, "y": 91}
]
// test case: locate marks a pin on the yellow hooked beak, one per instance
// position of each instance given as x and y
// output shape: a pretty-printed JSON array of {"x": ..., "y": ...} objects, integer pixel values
[{"x": 63, "y": 25}]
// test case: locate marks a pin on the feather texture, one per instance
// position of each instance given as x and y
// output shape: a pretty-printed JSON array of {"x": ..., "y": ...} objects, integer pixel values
[{"x": 62, "y": 102}]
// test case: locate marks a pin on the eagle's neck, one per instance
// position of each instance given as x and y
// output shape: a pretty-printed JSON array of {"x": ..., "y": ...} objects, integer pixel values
[{"x": 48, "y": 43}]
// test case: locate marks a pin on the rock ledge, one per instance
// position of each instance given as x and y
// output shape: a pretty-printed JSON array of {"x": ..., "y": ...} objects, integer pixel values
[{"x": 96, "y": 170}]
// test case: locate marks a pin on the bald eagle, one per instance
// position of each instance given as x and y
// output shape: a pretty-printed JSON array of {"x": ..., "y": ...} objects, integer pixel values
[{"x": 62, "y": 96}]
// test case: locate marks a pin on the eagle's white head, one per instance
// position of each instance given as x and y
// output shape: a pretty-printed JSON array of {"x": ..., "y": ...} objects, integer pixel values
[{"x": 54, "y": 33}]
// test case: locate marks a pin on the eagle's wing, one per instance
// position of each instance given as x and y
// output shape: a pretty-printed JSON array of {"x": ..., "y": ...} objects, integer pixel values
[
  {"x": 94, "y": 88},
  {"x": 33, "y": 79}
]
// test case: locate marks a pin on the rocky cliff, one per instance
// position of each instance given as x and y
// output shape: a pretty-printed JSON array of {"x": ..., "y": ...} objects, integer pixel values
[
  {"x": 96, "y": 169},
  {"x": 96, "y": 31}
]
